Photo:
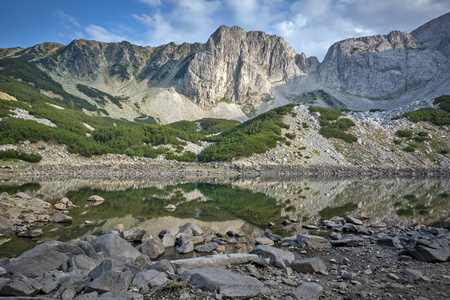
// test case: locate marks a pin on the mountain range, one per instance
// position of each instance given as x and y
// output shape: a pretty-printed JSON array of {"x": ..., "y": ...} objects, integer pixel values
[{"x": 238, "y": 74}]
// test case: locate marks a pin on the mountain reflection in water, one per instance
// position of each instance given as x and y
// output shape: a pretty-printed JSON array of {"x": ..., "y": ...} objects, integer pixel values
[{"x": 240, "y": 205}]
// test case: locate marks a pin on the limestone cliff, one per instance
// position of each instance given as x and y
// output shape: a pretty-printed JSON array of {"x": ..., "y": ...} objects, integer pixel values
[
  {"x": 241, "y": 67},
  {"x": 380, "y": 66}
]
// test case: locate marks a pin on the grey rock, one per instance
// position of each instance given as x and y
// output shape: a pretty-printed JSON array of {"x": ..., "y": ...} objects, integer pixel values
[
  {"x": 393, "y": 276},
  {"x": 229, "y": 284},
  {"x": 416, "y": 274},
  {"x": 390, "y": 242},
  {"x": 121, "y": 295},
  {"x": 4, "y": 281},
  {"x": 133, "y": 234},
  {"x": 31, "y": 233},
  {"x": 210, "y": 247},
  {"x": 335, "y": 236},
  {"x": 95, "y": 199},
  {"x": 349, "y": 275},
  {"x": 248, "y": 63},
  {"x": 49, "y": 283},
  {"x": 231, "y": 233},
  {"x": 23, "y": 196},
  {"x": 217, "y": 260},
  {"x": 172, "y": 230},
  {"x": 348, "y": 241},
  {"x": 380, "y": 66},
  {"x": 80, "y": 262},
  {"x": 164, "y": 265},
  {"x": 191, "y": 228},
  {"x": 152, "y": 278},
  {"x": 20, "y": 286},
  {"x": 92, "y": 295},
  {"x": 274, "y": 254},
  {"x": 186, "y": 248},
  {"x": 264, "y": 241},
  {"x": 2, "y": 271},
  {"x": 152, "y": 248},
  {"x": 50, "y": 255},
  {"x": 436, "y": 250},
  {"x": 114, "y": 245},
  {"x": 168, "y": 240},
  {"x": 72, "y": 283},
  {"x": 113, "y": 264},
  {"x": 197, "y": 239},
  {"x": 313, "y": 241},
  {"x": 90, "y": 238},
  {"x": 110, "y": 281},
  {"x": 308, "y": 291},
  {"x": 308, "y": 265},
  {"x": 61, "y": 218}
]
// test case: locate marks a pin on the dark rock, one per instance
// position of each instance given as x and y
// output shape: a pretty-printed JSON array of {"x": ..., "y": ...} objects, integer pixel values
[
  {"x": 210, "y": 247},
  {"x": 416, "y": 274},
  {"x": 277, "y": 256},
  {"x": 72, "y": 283},
  {"x": 49, "y": 283},
  {"x": 20, "y": 286},
  {"x": 153, "y": 278},
  {"x": 308, "y": 265},
  {"x": 80, "y": 262},
  {"x": 114, "y": 245},
  {"x": 114, "y": 264},
  {"x": 152, "y": 248},
  {"x": 390, "y": 242},
  {"x": 163, "y": 266},
  {"x": 436, "y": 250},
  {"x": 50, "y": 255},
  {"x": 229, "y": 284},
  {"x": 173, "y": 231},
  {"x": 186, "y": 248},
  {"x": 133, "y": 234},
  {"x": 61, "y": 218},
  {"x": 4, "y": 281},
  {"x": 308, "y": 291},
  {"x": 31, "y": 233},
  {"x": 231, "y": 233},
  {"x": 110, "y": 281},
  {"x": 121, "y": 295},
  {"x": 353, "y": 220}
]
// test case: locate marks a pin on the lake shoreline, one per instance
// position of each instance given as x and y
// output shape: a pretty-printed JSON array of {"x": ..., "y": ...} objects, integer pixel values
[{"x": 103, "y": 169}]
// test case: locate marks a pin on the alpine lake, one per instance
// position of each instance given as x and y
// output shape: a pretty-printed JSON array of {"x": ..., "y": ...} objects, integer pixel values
[{"x": 222, "y": 204}]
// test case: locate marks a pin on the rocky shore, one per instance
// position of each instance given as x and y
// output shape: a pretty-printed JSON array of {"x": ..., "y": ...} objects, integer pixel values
[{"x": 345, "y": 257}]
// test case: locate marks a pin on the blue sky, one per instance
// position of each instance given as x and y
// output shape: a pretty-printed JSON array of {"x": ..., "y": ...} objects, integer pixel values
[{"x": 309, "y": 26}]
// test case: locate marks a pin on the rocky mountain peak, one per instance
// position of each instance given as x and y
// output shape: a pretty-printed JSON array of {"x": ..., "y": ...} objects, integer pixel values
[
  {"x": 435, "y": 35},
  {"x": 241, "y": 67}
]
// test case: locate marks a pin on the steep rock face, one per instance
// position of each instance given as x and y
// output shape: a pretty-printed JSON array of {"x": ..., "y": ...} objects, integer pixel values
[
  {"x": 380, "y": 66},
  {"x": 435, "y": 35},
  {"x": 240, "y": 66},
  {"x": 84, "y": 59}
]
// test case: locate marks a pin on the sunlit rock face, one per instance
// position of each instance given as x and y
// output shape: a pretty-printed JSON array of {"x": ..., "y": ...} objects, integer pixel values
[{"x": 241, "y": 67}]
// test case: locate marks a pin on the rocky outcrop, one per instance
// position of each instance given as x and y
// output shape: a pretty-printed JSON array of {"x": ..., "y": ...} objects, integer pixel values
[
  {"x": 380, "y": 66},
  {"x": 434, "y": 35},
  {"x": 240, "y": 67}
]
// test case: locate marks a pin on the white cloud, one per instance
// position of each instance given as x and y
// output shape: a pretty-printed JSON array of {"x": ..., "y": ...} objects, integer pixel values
[
  {"x": 70, "y": 26},
  {"x": 151, "y": 2},
  {"x": 101, "y": 34},
  {"x": 66, "y": 19}
]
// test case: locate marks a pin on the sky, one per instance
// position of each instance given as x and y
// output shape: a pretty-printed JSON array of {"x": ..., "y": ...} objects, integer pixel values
[{"x": 309, "y": 26}]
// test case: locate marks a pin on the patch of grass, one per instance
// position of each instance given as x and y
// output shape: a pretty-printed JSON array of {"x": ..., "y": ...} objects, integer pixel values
[
  {"x": 404, "y": 133},
  {"x": 438, "y": 117},
  {"x": 329, "y": 132},
  {"x": 326, "y": 113},
  {"x": 290, "y": 135}
]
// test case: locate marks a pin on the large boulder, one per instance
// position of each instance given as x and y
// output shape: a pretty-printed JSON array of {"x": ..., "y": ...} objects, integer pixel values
[
  {"x": 229, "y": 284},
  {"x": 435, "y": 250},
  {"x": 191, "y": 228},
  {"x": 47, "y": 257},
  {"x": 20, "y": 286},
  {"x": 217, "y": 260},
  {"x": 110, "y": 281},
  {"x": 152, "y": 248},
  {"x": 186, "y": 248},
  {"x": 133, "y": 234},
  {"x": 308, "y": 265},
  {"x": 61, "y": 218},
  {"x": 112, "y": 244},
  {"x": 81, "y": 262},
  {"x": 168, "y": 240},
  {"x": 210, "y": 247},
  {"x": 278, "y": 257},
  {"x": 150, "y": 278},
  {"x": 114, "y": 264},
  {"x": 71, "y": 285}
]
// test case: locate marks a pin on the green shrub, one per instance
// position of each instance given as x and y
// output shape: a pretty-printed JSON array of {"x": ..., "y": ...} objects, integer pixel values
[
  {"x": 188, "y": 156},
  {"x": 397, "y": 141},
  {"x": 13, "y": 154},
  {"x": 326, "y": 113},
  {"x": 404, "y": 133},
  {"x": 433, "y": 115},
  {"x": 290, "y": 135},
  {"x": 443, "y": 102},
  {"x": 343, "y": 124},
  {"x": 420, "y": 139},
  {"x": 305, "y": 125},
  {"x": 329, "y": 132}
]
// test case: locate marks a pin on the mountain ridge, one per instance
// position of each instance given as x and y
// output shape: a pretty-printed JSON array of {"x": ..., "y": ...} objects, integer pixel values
[{"x": 238, "y": 74}]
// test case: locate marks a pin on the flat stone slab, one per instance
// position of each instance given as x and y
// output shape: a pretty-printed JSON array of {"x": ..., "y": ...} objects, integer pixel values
[
  {"x": 308, "y": 265},
  {"x": 308, "y": 291},
  {"x": 217, "y": 260},
  {"x": 229, "y": 284}
]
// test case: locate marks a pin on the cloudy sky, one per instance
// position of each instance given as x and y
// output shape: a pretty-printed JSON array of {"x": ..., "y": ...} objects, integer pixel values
[{"x": 309, "y": 26}]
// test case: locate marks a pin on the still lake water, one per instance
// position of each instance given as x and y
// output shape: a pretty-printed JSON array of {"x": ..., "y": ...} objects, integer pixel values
[{"x": 219, "y": 205}]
